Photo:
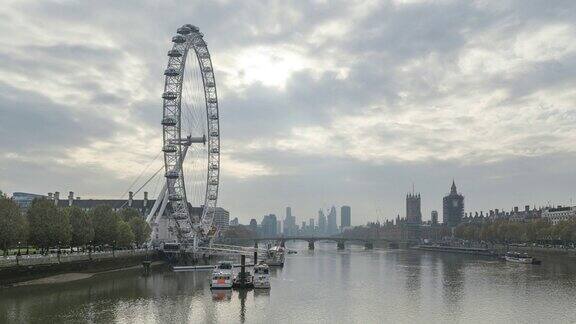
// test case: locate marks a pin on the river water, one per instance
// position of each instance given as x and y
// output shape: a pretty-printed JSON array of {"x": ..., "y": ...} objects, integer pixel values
[{"x": 325, "y": 285}]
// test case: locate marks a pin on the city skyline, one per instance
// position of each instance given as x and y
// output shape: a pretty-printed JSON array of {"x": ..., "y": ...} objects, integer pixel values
[{"x": 479, "y": 92}]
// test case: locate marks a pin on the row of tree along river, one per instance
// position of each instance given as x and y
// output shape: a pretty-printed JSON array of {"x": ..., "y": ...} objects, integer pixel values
[{"x": 45, "y": 226}]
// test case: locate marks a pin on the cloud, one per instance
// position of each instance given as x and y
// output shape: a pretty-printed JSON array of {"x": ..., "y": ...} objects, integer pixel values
[{"x": 343, "y": 102}]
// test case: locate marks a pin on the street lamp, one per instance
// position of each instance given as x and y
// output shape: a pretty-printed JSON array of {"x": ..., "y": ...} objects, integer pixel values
[{"x": 18, "y": 247}]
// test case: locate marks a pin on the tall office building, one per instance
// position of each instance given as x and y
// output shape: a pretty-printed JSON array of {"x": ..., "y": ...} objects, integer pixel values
[
  {"x": 221, "y": 219},
  {"x": 332, "y": 225},
  {"x": 413, "y": 213},
  {"x": 311, "y": 224},
  {"x": 434, "y": 217},
  {"x": 269, "y": 226},
  {"x": 289, "y": 223},
  {"x": 453, "y": 210},
  {"x": 321, "y": 222},
  {"x": 345, "y": 217}
]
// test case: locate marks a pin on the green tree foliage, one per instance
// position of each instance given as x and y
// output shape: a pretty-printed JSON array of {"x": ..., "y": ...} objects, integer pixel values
[
  {"x": 129, "y": 213},
  {"x": 125, "y": 236},
  {"x": 106, "y": 225},
  {"x": 82, "y": 228},
  {"x": 514, "y": 232},
  {"x": 141, "y": 230},
  {"x": 13, "y": 224},
  {"x": 48, "y": 225}
]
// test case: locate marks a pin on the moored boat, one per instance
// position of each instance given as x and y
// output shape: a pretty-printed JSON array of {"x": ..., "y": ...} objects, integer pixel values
[
  {"x": 518, "y": 257},
  {"x": 261, "y": 276},
  {"x": 275, "y": 256},
  {"x": 221, "y": 276}
]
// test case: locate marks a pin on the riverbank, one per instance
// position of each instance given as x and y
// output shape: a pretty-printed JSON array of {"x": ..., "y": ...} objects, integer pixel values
[
  {"x": 76, "y": 270},
  {"x": 70, "y": 277},
  {"x": 456, "y": 249}
]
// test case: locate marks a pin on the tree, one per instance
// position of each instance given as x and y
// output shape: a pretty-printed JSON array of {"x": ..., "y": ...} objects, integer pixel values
[
  {"x": 13, "y": 224},
  {"x": 49, "y": 226},
  {"x": 82, "y": 228},
  {"x": 125, "y": 236},
  {"x": 128, "y": 213},
  {"x": 106, "y": 224},
  {"x": 567, "y": 229},
  {"x": 141, "y": 230}
]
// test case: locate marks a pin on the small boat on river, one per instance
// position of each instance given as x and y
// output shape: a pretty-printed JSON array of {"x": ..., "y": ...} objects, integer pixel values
[
  {"x": 222, "y": 276},
  {"x": 261, "y": 276},
  {"x": 518, "y": 257},
  {"x": 275, "y": 256}
]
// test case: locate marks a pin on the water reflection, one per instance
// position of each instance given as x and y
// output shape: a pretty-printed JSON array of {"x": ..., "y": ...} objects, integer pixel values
[
  {"x": 242, "y": 296},
  {"x": 220, "y": 295},
  {"x": 453, "y": 282},
  {"x": 324, "y": 285}
]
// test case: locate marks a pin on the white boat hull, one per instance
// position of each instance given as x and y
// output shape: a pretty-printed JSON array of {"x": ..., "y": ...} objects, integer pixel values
[
  {"x": 221, "y": 284},
  {"x": 519, "y": 260},
  {"x": 262, "y": 283}
]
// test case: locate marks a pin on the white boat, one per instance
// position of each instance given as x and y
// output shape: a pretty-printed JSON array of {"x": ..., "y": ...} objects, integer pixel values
[
  {"x": 275, "y": 256},
  {"x": 221, "y": 276},
  {"x": 518, "y": 257},
  {"x": 261, "y": 276}
]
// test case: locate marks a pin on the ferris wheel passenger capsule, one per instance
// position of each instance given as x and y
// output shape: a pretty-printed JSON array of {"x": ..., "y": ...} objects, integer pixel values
[
  {"x": 178, "y": 39},
  {"x": 171, "y": 72},
  {"x": 174, "y": 53},
  {"x": 172, "y": 175},
  {"x": 168, "y": 95},
  {"x": 169, "y": 148},
  {"x": 184, "y": 30},
  {"x": 169, "y": 121},
  {"x": 192, "y": 27}
]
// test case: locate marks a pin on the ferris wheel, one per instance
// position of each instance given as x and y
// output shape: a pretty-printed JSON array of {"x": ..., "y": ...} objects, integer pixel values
[{"x": 191, "y": 139}]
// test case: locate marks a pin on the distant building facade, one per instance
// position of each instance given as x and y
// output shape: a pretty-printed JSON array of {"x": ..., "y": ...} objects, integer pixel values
[
  {"x": 345, "y": 217},
  {"x": 559, "y": 214},
  {"x": 332, "y": 225},
  {"x": 253, "y": 225},
  {"x": 453, "y": 207},
  {"x": 413, "y": 212},
  {"x": 222, "y": 219},
  {"x": 321, "y": 222},
  {"x": 289, "y": 223},
  {"x": 269, "y": 225},
  {"x": 434, "y": 217},
  {"x": 24, "y": 199}
]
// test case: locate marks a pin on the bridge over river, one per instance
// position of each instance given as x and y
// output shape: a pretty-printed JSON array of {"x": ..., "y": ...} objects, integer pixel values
[{"x": 339, "y": 240}]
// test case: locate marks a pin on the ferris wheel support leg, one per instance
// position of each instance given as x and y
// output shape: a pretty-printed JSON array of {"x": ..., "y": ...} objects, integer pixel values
[{"x": 161, "y": 197}]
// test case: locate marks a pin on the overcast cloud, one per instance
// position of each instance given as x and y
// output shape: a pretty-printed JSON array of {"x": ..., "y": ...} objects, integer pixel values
[{"x": 322, "y": 102}]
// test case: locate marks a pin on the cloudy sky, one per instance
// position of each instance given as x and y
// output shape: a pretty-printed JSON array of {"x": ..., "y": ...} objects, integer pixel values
[{"x": 322, "y": 102}]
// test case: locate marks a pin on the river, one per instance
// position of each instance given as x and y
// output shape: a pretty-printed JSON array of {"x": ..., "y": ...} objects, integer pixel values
[{"x": 324, "y": 285}]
